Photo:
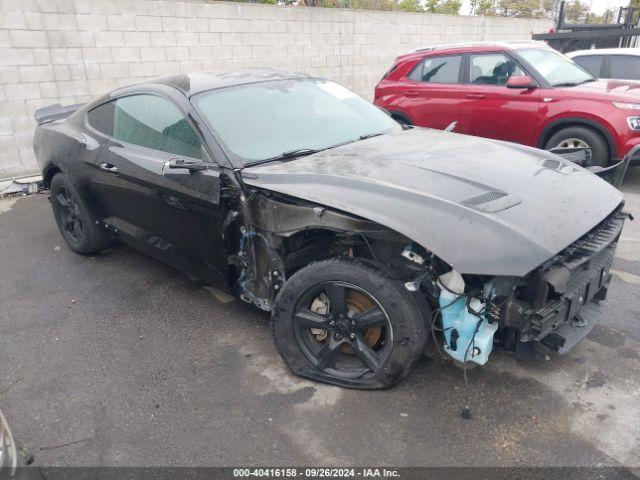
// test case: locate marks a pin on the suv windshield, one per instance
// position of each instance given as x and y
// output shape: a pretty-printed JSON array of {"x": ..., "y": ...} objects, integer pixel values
[
  {"x": 557, "y": 69},
  {"x": 269, "y": 120}
]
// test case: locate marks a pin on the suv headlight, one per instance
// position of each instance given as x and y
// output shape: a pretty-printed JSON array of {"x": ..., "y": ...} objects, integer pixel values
[
  {"x": 627, "y": 105},
  {"x": 634, "y": 123}
]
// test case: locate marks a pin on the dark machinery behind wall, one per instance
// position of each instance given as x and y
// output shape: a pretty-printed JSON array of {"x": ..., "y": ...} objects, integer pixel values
[{"x": 621, "y": 31}]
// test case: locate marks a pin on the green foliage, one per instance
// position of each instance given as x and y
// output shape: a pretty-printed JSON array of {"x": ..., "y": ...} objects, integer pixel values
[
  {"x": 575, "y": 11},
  {"x": 370, "y": 4},
  {"x": 410, "y": 6},
  {"x": 521, "y": 8},
  {"x": 484, "y": 8},
  {"x": 514, "y": 8},
  {"x": 431, "y": 5},
  {"x": 451, "y": 7}
]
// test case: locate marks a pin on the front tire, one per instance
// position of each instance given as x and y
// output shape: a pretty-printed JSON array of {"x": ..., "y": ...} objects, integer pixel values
[
  {"x": 582, "y": 137},
  {"x": 78, "y": 229},
  {"x": 344, "y": 322}
]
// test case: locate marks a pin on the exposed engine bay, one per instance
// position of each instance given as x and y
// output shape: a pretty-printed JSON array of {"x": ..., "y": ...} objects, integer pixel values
[{"x": 524, "y": 315}]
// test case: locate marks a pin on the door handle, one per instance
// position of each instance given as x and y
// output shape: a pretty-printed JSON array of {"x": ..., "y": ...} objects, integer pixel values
[
  {"x": 107, "y": 167},
  {"x": 412, "y": 93},
  {"x": 474, "y": 95}
]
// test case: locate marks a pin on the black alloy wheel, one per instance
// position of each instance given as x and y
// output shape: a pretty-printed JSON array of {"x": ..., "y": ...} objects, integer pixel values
[
  {"x": 81, "y": 233},
  {"x": 349, "y": 323},
  {"x": 343, "y": 330},
  {"x": 69, "y": 216}
]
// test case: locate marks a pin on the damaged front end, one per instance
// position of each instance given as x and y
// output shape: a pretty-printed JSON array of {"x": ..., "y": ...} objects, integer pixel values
[
  {"x": 527, "y": 315},
  {"x": 545, "y": 306},
  {"x": 276, "y": 235},
  {"x": 542, "y": 309}
]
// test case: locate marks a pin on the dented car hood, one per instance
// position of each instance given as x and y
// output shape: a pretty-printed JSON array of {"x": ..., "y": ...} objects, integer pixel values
[{"x": 483, "y": 206}]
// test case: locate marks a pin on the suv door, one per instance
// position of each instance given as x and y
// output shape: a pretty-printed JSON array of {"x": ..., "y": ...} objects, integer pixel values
[
  {"x": 170, "y": 213},
  {"x": 432, "y": 91},
  {"x": 489, "y": 109}
]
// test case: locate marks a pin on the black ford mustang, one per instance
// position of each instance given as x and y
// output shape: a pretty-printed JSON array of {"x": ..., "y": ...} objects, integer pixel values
[{"x": 359, "y": 235}]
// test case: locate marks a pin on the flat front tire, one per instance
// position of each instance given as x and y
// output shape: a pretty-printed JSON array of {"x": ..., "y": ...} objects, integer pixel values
[{"x": 345, "y": 322}]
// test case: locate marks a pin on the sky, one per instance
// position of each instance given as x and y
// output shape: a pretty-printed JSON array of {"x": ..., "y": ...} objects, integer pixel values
[
  {"x": 597, "y": 6},
  {"x": 600, "y": 6}
]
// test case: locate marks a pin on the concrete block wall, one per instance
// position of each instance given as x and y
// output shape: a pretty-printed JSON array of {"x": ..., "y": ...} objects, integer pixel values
[{"x": 67, "y": 51}]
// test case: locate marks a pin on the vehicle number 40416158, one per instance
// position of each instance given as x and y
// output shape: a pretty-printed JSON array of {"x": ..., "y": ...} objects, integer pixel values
[{"x": 318, "y": 472}]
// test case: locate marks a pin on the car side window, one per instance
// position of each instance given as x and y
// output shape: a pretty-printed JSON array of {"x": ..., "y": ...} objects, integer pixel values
[
  {"x": 437, "y": 70},
  {"x": 492, "y": 69},
  {"x": 148, "y": 121},
  {"x": 591, "y": 63},
  {"x": 101, "y": 118},
  {"x": 624, "y": 67},
  {"x": 153, "y": 122}
]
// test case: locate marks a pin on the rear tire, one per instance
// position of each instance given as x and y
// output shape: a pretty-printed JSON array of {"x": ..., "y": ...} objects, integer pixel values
[
  {"x": 344, "y": 322},
  {"x": 78, "y": 229},
  {"x": 582, "y": 136}
]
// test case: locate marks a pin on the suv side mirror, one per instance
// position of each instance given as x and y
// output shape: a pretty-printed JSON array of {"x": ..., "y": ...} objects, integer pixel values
[{"x": 520, "y": 81}]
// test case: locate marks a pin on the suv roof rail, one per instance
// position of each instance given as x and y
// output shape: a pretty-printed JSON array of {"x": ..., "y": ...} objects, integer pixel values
[{"x": 471, "y": 44}]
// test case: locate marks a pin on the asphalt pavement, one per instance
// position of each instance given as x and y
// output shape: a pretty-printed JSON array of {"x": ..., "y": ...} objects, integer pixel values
[{"x": 118, "y": 360}]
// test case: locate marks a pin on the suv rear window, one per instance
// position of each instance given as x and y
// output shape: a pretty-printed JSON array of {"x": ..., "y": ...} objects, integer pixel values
[{"x": 437, "y": 70}]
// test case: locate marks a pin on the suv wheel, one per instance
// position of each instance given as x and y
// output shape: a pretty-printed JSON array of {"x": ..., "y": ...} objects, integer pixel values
[
  {"x": 582, "y": 137},
  {"x": 78, "y": 229},
  {"x": 347, "y": 323}
]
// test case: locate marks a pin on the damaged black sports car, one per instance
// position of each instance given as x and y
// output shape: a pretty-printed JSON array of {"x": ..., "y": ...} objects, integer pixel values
[{"x": 360, "y": 236}]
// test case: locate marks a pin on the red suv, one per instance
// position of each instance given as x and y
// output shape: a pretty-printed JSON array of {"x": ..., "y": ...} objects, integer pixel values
[{"x": 519, "y": 92}]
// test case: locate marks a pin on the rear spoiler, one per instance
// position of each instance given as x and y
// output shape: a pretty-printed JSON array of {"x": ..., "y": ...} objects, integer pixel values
[
  {"x": 614, "y": 174},
  {"x": 55, "y": 112}
]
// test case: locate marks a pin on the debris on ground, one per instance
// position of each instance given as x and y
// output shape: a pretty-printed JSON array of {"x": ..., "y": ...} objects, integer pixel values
[{"x": 22, "y": 186}]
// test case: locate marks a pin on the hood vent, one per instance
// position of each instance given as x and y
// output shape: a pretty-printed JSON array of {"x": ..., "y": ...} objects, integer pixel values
[
  {"x": 564, "y": 167},
  {"x": 551, "y": 163},
  {"x": 491, "y": 201},
  {"x": 482, "y": 198}
]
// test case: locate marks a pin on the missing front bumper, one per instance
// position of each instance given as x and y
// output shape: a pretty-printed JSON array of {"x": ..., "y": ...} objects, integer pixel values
[{"x": 547, "y": 309}]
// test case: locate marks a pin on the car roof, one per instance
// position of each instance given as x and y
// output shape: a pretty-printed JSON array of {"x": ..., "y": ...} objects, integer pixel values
[
  {"x": 197, "y": 82},
  {"x": 605, "y": 51},
  {"x": 467, "y": 47}
]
